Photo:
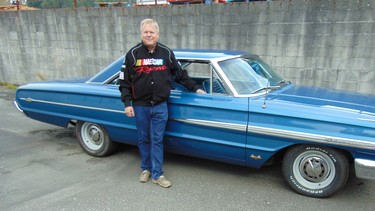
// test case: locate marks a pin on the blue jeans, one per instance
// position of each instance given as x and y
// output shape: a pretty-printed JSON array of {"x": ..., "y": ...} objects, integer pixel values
[{"x": 151, "y": 122}]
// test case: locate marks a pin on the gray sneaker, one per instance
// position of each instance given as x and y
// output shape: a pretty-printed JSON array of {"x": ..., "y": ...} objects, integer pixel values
[
  {"x": 145, "y": 176},
  {"x": 162, "y": 181}
]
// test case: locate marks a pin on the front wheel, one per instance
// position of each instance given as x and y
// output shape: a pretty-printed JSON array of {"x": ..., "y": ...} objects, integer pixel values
[
  {"x": 315, "y": 171},
  {"x": 94, "y": 139}
]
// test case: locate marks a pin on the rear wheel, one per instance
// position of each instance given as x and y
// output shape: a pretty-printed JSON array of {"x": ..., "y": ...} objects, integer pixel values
[
  {"x": 94, "y": 139},
  {"x": 315, "y": 171}
]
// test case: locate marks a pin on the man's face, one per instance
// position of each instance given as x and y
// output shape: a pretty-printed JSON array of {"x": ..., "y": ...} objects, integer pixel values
[{"x": 149, "y": 35}]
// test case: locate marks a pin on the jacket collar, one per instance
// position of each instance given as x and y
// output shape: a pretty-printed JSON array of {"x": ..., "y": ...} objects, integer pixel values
[{"x": 156, "y": 47}]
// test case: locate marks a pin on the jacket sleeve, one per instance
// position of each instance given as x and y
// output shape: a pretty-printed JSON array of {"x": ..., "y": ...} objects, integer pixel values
[
  {"x": 125, "y": 78},
  {"x": 181, "y": 76}
]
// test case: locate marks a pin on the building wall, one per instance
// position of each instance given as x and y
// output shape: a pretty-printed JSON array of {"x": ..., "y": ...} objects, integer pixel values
[{"x": 328, "y": 43}]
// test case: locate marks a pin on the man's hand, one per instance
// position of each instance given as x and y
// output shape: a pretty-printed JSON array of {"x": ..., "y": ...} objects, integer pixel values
[
  {"x": 200, "y": 91},
  {"x": 129, "y": 111}
]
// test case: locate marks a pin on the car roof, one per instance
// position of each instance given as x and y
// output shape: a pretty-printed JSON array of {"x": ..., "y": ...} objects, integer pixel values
[
  {"x": 181, "y": 54},
  {"x": 205, "y": 54}
]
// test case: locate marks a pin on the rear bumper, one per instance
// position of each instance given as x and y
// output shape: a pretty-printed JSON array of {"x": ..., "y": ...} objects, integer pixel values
[
  {"x": 17, "y": 106},
  {"x": 364, "y": 169}
]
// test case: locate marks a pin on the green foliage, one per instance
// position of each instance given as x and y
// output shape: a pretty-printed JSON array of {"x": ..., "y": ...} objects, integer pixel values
[{"x": 9, "y": 86}]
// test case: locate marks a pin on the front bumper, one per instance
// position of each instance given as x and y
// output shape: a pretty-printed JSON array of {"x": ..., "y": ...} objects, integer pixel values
[{"x": 364, "y": 169}]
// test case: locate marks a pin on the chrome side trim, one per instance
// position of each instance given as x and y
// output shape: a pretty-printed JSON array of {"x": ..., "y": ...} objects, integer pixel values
[
  {"x": 30, "y": 100},
  {"x": 222, "y": 125},
  {"x": 312, "y": 137},
  {"x": 243, "y": 128},
  {"x": 315, "y": 138},
  {"x": 364, "y": 169}
]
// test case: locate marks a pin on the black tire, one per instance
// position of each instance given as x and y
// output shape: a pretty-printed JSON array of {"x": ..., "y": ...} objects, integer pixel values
[
  {"x": 315, "y": 171},
  {"x": 94, "y": 139}
]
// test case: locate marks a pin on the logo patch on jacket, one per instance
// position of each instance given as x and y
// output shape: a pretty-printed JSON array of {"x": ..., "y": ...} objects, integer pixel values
[
  {"x": 122, "y": 76},
  {"x": 149, "y": 65},
  {"x": 149, "y": 62}
]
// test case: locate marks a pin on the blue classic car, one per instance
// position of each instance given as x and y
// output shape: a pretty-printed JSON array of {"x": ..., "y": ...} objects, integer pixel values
[{"x": 250, "y": 116}]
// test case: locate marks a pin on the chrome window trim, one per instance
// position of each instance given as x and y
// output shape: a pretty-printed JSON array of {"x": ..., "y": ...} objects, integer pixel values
[
  {"x": 215, "y": 63},
  {"x": 114, "y": 76},
  {"x": 220, "y": 72}
]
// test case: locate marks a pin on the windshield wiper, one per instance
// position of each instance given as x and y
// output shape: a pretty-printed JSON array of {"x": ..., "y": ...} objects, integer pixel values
[{"x": 266, "y": 88}]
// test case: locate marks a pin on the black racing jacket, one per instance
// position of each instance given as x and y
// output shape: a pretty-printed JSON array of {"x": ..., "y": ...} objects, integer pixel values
[{"x": 145, "y": 78}]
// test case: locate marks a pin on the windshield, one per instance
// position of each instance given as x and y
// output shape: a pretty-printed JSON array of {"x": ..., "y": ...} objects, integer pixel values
[{"x": 248, "y": 74}]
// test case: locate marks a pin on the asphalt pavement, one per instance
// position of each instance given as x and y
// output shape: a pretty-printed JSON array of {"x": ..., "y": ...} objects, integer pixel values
[{"x": 42, "y": 167}]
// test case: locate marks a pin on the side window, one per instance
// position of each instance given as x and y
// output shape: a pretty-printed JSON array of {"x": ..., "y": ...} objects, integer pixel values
[
  {"x": 116, "y": 81},
  {"x": 201, "y": 73},
  {"x": 198, "y": 70},
  {"x": 217, "y": 86}
]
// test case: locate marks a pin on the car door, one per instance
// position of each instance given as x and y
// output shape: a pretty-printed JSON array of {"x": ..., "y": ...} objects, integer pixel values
[{"x": 211, "y": 126}]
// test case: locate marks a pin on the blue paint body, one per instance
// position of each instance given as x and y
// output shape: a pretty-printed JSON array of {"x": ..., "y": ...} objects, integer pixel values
[{"x": 242, "y": 130}]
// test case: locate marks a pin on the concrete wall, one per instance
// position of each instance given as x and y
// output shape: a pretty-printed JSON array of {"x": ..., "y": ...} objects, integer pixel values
[{"x": 324, "y": 43}]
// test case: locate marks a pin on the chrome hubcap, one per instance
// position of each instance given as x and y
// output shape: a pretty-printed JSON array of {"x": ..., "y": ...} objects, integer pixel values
[
  {"x": 92, "y": 136},
  {"x": 313, "y": 169}
]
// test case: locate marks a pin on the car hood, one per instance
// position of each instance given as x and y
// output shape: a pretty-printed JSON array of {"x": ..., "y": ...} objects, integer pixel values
[{"x": 330, "y": 100}]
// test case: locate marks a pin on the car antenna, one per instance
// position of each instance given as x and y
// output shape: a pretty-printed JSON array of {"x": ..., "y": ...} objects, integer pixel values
[{"x": 265, "y": 97}]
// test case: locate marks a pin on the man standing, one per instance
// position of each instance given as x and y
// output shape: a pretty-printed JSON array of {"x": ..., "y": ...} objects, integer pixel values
[{"x": 145, "y": 88}]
